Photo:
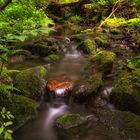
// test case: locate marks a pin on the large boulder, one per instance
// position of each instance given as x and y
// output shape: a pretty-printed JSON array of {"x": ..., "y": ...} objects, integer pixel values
[
  {"x": 88, "y": 88},
  {"x": 99, "y": 65},
  {"x": 21, "y": 107},
  {"x": 126, "y": 91},
  {"x": 31, "y": 82},
  {"x": 126, "y": 124}
]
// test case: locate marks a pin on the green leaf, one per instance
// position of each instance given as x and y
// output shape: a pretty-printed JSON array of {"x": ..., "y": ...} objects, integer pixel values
[
  {"x": 45, "y": 30},
  {"x": 3, "y": 110},
  {"x": 9, "y": 131},
  {"x": 3, "y": 49},
  {"x": 11, "y": 116},
  {"x": 8, "y": 123},
  {"x": 4, "y": 57},
  {"x": 1, "y": 129}
]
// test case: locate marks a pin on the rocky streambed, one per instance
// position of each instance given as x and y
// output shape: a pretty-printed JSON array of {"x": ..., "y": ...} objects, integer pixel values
[{"x": 77, "y": 88}]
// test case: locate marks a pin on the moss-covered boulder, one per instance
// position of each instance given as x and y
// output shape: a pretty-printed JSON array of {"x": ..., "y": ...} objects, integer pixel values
[
  {"x": 103, "y": 61},
  {"x": 126, "y": 91},
  {"x": 89, "y": 87},
  {"x": 126, "y": 124},
  {"x": 105, "y": 125},
  {"x": 21, "y": 107},
  {"x": 87, "y": 46},
  {"x": 30, "y": 82},
  {"x": 102, "y": 42},
  {"x": 69, "y": 121}
]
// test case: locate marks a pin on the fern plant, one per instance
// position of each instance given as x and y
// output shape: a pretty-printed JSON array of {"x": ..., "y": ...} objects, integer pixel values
[{"x": 5, "y": 121}]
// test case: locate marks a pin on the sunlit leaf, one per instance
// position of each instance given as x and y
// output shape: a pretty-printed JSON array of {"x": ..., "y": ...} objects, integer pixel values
[{"x": 1, "y": 129}]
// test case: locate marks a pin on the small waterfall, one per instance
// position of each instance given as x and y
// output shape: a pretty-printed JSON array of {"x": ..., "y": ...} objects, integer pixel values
[
  {"x": 73, "y": 53},
  {"x": 55, "y": 110}
]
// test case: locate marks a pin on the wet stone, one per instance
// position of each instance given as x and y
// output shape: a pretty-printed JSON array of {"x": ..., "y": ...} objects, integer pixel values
[{"x": 60, "y": 89}]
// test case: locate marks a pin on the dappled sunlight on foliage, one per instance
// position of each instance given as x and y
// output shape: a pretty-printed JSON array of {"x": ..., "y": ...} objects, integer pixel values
[
  {"x": 115, "y": 22},
  {"x": 22, "y": 15}
]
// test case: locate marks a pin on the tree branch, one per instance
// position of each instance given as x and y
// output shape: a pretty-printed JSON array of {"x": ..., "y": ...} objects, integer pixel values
[
  {"x": 7, "y": 2},
  {"x": 114, "y": 9}
]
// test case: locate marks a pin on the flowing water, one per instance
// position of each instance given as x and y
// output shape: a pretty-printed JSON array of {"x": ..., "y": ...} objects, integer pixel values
[{"x": 70, "y": 68}]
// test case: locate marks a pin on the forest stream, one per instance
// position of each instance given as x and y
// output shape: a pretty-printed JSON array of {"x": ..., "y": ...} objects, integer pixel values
[{"x": 70, "y": 70}]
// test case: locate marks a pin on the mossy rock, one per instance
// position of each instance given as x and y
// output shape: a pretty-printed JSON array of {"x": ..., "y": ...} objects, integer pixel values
[
  {"x": 31, "y": 82},
  {"x": 69, "y": 121},
  {"x": 126, "y": 91},
  {"x": 87, "y": 46},
  {"x": 103, "y": 61},
  {"x": 88, "y": 88},
  {"x": 126, "y": 123},
  {"x": 95, "y": 81},
  {"x": 21, "y": 107},
  {"x": 40, "y": 49},
  {"x": 52, "y": 58},
  {"x": 102, "y": 42}
]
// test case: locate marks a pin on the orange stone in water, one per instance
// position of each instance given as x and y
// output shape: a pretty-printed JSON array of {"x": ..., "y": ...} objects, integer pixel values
[{"x": 54, "y": 85}]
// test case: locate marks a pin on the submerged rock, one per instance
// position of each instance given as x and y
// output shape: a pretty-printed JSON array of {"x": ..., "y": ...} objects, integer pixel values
[
  {"x": 30, "y": 82},
  {"x": 126, "y": 91}
]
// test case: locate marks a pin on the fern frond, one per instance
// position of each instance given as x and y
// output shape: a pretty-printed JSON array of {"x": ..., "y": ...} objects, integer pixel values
[{"x": 7, "y": 88}]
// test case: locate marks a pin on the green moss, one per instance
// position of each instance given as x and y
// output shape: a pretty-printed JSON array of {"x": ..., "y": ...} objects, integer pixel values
[
  {"x": 52, "y": 57},
  {"x": 95, "y": 81},
  {"x": 21, "y": 107},
  {"x": 130, "y": 122},
  {"x": 134, "y": 63},
  {"x": 88, "y": 31},
  {"x": 69, "y": 120},
  {"x": 104, "y": 57},
  {"x": 103, "y": 61},
  {"x": 126, "y": 92},
  {"x": 76, "y": 19},
  {"x": 102, "y": 42},
  {"x": 126, "y": 123},
  {"x": 87, "y": 46},
  {"x": 31, "y": 81},
  {"x": 115, "y": 22}
]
